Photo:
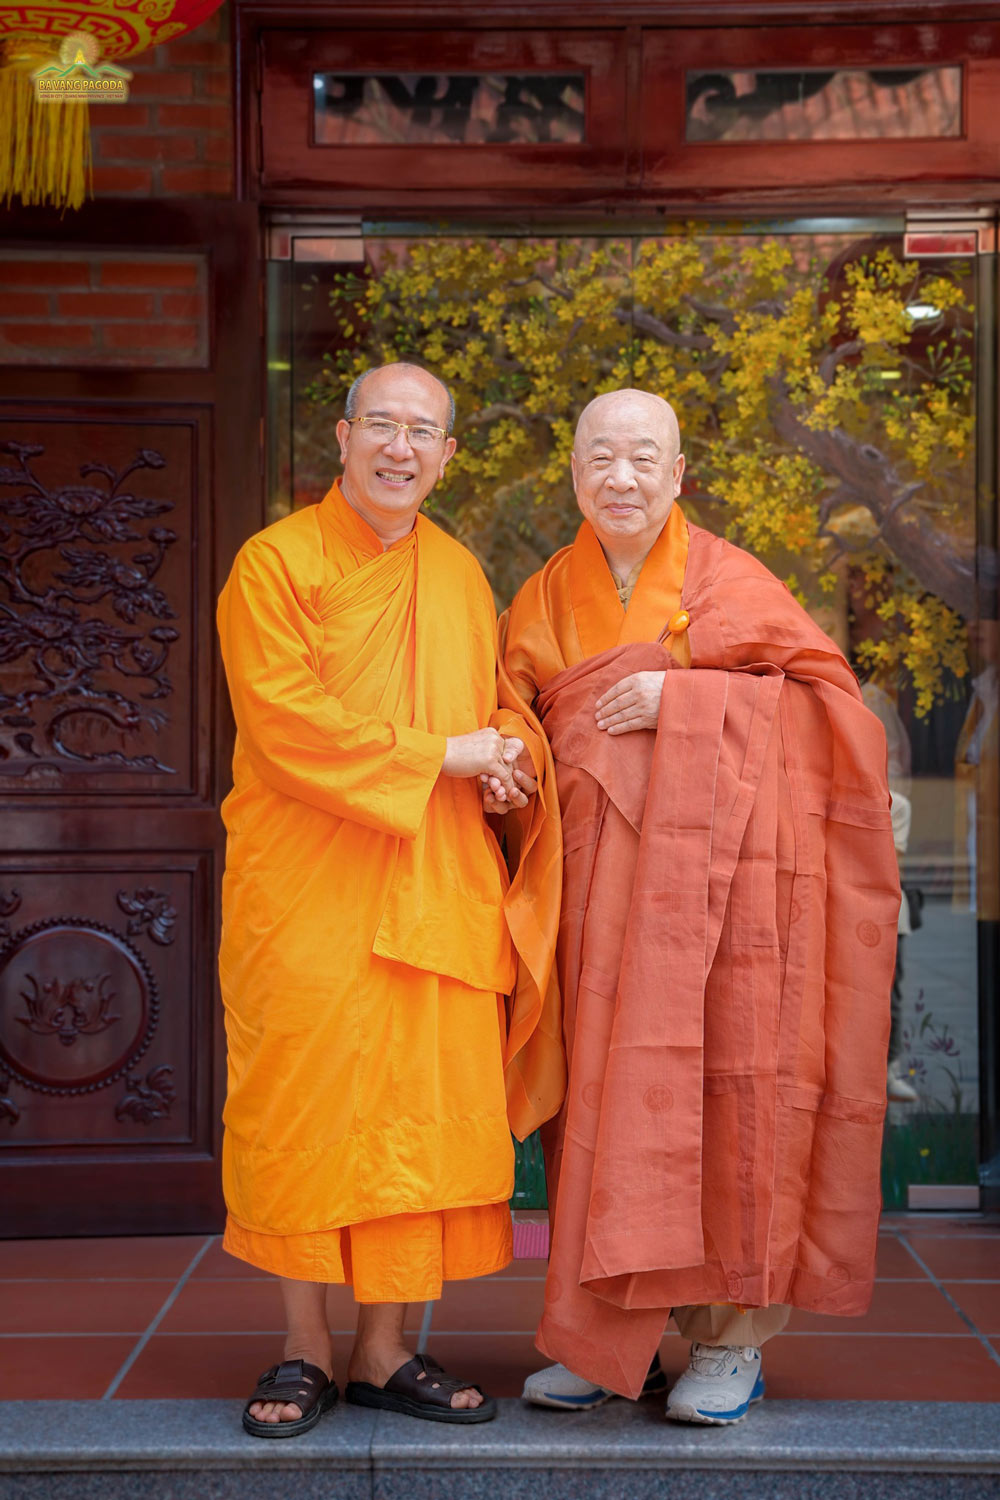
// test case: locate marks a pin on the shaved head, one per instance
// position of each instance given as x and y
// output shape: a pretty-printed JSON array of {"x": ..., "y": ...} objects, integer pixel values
[
  {"x": 401, "y": 367},
  {"x": 386, "y": 477},
  {"x": 605, "y": 414},
  {"x": 627, "y": 469}
]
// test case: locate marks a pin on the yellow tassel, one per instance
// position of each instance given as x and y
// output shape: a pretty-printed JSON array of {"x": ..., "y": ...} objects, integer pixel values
[{"x": 44, "y": 143}]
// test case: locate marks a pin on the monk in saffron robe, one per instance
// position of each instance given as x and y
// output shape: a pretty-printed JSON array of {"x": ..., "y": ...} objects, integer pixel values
[
  {"x": 366, "y": 950},
  {"x": 726, "y": 943}
]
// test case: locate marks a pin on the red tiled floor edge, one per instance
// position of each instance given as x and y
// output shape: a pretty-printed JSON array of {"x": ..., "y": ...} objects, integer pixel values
[
  {"x": 78, "y": 1369},
  {"x": 143, "y": 1329},
  {"x": 133, "y": 1258},
  {"x": 155, "y": 1322},
  {"x": 122, "y": 1307}
]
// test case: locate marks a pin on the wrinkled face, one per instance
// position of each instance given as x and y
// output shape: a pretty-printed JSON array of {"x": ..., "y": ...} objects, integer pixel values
[
  {"x": 388, "y": 481},
  {"x": 627, "y": 468}
]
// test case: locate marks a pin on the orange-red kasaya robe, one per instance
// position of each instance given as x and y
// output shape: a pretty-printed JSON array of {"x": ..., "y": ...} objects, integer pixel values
[
  {"x": 366, "y": 946},
  {"x": 726, "y": 949}
]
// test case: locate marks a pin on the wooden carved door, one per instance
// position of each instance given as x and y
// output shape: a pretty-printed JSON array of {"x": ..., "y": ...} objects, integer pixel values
[{"x": 129, "y": 475}]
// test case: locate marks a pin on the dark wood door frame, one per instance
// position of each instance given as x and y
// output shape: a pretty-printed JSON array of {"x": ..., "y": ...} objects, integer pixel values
[
  {"x": 282, "y": 166},
  {"x": 132, "y": 1184}
]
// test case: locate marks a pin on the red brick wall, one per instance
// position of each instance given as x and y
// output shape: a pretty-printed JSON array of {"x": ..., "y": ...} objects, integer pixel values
[
  {"x": 174, "y": 137},
  {"x": 103, "y": 308}
]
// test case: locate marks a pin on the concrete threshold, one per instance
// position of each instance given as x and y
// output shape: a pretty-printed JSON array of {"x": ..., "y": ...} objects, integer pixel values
[{"x": 786, "y": 1450}]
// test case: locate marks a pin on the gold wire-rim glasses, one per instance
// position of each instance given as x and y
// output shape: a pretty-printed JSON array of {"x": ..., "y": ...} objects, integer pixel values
[{"x": 419, "y": 434}]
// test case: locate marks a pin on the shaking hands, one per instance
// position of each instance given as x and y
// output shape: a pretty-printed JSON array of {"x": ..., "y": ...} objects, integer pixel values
[
  {"x": 502, "y": 764},
  {"x": 497, "y": 797}
]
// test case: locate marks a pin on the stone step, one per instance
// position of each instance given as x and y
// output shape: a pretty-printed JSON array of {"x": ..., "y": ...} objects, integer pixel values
[{"x": 786, "y": 1450}]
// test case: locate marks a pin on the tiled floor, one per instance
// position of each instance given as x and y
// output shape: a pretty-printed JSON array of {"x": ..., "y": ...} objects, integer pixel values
[{"x": 166, "y": 1317}]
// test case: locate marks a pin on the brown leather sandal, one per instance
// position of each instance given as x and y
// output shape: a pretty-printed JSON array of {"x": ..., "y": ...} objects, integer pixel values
[
  {"x": 420, "y": 1388},
  {"x": 296, "y": 1383}
]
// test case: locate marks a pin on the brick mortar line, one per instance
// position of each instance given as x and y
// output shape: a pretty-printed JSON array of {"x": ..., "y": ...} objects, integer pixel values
[
  {"x": 106, "y": 135},
  {"x": 157, "y": 1320},
  {"x": 216, "y": 105},
  {"x": 166, "y": 136},
  {"x": 994, "y": 1356},
  {"x": 79, "y": 320}
]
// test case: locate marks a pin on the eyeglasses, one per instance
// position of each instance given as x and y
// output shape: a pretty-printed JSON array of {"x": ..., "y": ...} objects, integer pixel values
[{"x": 384, "y": 431}]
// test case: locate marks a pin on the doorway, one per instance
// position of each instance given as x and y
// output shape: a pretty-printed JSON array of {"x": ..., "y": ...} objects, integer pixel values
[{"x": 830, "y": 378}]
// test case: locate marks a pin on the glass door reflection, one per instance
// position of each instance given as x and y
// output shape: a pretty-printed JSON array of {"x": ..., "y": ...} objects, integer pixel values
[{"x": 826, "y": 389}]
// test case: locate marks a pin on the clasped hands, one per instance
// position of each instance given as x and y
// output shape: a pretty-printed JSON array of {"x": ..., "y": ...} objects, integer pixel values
[{"x": 502, "y": 764}]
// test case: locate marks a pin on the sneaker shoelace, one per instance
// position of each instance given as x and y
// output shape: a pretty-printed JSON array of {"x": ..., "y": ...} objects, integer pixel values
[{"x": 710, "y": 1360}]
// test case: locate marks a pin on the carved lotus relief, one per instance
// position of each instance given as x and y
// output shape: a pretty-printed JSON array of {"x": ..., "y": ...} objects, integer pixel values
[
  {"x": 78, "y": 1007},
  {"x": 81, "y": 1007}
]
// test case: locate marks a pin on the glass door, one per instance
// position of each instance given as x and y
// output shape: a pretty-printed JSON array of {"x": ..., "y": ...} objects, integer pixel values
[{"x": 826, "y": 384}]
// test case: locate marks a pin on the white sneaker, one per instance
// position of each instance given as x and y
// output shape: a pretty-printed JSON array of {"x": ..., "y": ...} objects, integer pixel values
[
  {"x": 718, "y": 1386},
  {"x": 899, "y": 1088},
  {"x": 556, "y": 1386}
]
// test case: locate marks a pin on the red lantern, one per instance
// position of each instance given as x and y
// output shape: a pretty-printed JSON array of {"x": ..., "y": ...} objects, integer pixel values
[{"x": 55, "y": 56}]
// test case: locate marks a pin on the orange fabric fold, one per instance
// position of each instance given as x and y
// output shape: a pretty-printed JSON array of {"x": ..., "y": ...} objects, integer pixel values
[
  {"x": 725, "y": 956},
  {"x": 534, "y": 1058},
  {"x": 405, "y": 1258}
]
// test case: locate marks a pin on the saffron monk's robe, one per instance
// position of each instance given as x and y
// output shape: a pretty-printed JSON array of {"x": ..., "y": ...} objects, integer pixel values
[
  {"x": 725, "y": 955},
  {"x": 367, "y": 923}
]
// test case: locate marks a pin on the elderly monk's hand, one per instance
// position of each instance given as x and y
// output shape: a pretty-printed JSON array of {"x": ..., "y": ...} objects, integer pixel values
[
  {"x": 495, "y": 798},
  {"x": 484, "y": 752},
  {"x": 633, "y": 703}
]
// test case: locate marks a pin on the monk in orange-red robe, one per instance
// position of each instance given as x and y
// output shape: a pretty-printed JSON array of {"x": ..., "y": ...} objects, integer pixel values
[{"x": 727, "y": 935}]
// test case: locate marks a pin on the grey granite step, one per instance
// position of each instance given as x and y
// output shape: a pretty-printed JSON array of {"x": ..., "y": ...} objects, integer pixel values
[{"x": 786, "y": 1450}]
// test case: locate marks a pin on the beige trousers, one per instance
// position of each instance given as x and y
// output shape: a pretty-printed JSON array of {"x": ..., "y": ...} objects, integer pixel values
[{"x": 723, "y": 1323}]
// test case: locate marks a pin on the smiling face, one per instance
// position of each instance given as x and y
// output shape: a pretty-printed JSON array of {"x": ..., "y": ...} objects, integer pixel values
[
  {"x": 627, "y": 469},
  {"x": 386, "y": 483}
]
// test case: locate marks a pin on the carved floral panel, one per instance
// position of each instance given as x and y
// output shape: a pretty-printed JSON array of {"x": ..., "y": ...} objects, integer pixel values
[{"x": 99, "y": 606}]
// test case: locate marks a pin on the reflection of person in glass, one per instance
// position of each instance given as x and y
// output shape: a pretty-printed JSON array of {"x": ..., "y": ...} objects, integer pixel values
[
  {"x": 976, "y": 756},
  {"x": 726, "y": 945},
  {"x": 899, "y": 1087},
  {"x": 867, "y": 625}
]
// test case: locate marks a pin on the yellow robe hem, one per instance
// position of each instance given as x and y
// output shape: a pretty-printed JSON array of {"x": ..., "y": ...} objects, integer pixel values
[{"x": 401, "y": 1258}]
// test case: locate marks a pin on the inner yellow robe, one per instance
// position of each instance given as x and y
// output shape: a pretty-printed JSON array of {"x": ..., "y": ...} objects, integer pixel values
[{"x": 365, "y": 950}]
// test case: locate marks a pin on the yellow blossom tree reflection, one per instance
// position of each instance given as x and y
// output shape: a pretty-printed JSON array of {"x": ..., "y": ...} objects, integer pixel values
[{"x": 824, "y": 390}]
